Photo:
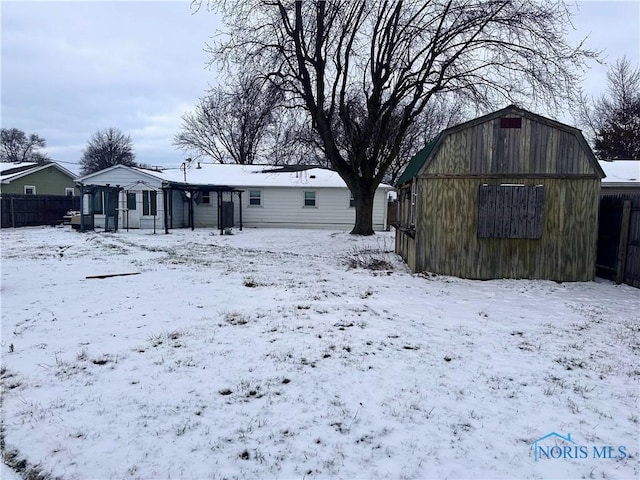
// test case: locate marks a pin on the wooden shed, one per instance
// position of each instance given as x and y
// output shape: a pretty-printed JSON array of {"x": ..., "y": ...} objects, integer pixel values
[{"x": 511, "y": 194}]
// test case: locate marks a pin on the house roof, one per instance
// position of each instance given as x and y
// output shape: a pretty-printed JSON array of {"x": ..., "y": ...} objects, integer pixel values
[
  {"x": 428, "y": 152},
  {"x": 621, "y": 172},
  {"x": 150, "y": 174},
  {"x": 254, "y": 176},
  {"x": 13, "y": 171},
  {"x": 232, "y": 175}
]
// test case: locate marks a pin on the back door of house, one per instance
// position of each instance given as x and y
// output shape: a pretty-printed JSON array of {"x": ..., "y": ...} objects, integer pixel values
[{"x": 134, "y": 207}]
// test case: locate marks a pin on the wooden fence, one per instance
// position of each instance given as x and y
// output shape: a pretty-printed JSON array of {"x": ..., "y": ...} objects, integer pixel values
[
  {"x": 30, "y": 210},
  {"x": 619, "y": 239}
]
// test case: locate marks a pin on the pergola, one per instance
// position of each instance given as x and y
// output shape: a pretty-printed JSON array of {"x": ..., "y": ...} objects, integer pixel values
[
  {"x": 191, "y": 189},
  {"x": 109, "y": 208}
]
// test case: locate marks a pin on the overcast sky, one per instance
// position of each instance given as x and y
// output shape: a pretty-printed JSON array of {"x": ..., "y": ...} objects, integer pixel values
[{"x": 72, "y": 68}]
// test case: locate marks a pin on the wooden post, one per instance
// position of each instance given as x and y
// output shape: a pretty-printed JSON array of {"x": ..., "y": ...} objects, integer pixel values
[
  {"x": 13, "y": 214},
  {"x": 220, "y": 212},
  {"x": 624, "y": 242},
  {"x": 165, "y": 204},
  {"x": 240, "y": 199},
  {"x": 191, "y": 219}
]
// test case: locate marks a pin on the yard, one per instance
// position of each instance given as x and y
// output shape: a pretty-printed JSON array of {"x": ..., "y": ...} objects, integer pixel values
[{"x": 279, "y": 354}]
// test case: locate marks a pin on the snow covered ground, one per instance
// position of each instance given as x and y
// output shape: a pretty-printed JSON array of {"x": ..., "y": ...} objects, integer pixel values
[{"x": 272, "y": 353}]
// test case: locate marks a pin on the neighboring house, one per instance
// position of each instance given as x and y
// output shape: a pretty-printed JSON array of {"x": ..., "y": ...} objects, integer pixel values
[
  {"x": 619, "y": 226},
  {"x": 623, "y": 177},
  {"x": 511, "y": 194},
  {"x": 36, "y": 179},
  {"x": 221, "y": 196}
]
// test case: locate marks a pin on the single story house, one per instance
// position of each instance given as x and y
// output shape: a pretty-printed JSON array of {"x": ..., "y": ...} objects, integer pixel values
[
  {"x": 30, "y": 178},
  {"x": 511, "y": 194},
  {"x": 222, "y": 196}
]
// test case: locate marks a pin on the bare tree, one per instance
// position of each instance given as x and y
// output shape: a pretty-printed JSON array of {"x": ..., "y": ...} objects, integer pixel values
[
  {"x": 16, "y": 146},
  {"x": 231, "y": 124},
  {"x": 441, "y": 114},
  {"x": 613, "y": 119},
  {"x": 105, "y": 149},
  {"x": 292, "y": 140},
  {"x": 365, "y": 70}
]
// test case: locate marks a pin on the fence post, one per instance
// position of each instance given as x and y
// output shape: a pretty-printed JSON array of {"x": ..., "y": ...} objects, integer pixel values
[
  {"x": 13, "y": 214},
  {"x": 624, "y": 241}
]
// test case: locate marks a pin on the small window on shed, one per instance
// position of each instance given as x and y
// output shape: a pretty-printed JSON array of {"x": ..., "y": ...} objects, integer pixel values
[
  {"x": 510, "y": 211},
  {"x": 515, "y": 122}
]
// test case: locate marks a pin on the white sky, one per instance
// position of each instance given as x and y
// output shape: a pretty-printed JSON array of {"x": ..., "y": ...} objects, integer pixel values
[{"x": 72, "y": 68}]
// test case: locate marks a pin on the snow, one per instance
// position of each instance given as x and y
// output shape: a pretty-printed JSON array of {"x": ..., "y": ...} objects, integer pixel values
[
  {"x": 272, "y": 353},
  {"x": 10, "y": 166},
  {"x": 621, "y": 171},
  {"x": 232, "y": 175},
  {"x": 252, "y": 176}
]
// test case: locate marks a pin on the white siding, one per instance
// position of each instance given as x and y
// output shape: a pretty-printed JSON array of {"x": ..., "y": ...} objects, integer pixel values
[
  {"x": 179, "y": 218},
  {"x": 284, "y": 207},
  {"x": 280, "y": 206},
  {"x": 132, "y": 182}
]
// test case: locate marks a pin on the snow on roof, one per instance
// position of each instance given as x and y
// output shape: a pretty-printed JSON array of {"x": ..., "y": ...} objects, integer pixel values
[
  {"x": 253, "y": 176},
  {"x": 621, "y": 171},
  {"x": 10, "y": 169}
]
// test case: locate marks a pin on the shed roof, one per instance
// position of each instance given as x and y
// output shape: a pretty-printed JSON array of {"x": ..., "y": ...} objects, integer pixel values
[
  {"x": 425, "y": 155},
  {"x": 417, "y": 161}
]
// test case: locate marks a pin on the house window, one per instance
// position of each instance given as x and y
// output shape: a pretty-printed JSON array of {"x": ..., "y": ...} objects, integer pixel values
[
  {"x": 98, "y": 203},
  {"x": 131, "y": 200},
  {"x": 206, "y": 197},
  {"x": 29, "y": 190},
  {"x": 255, "y": 198},
  {"x": 69, "y": 191},
  {"x": 309, "y": 199},
  {"x": 352, "y": 200},
  {"x": 510, "y": 211},
  {"x": 149, "y": 202}
]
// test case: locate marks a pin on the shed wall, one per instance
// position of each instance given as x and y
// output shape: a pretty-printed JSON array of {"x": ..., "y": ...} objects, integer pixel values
[{"x": 447, "y": 242}]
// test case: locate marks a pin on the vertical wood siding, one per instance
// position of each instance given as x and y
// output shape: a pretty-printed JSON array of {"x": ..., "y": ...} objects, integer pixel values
[
  {"x": 449, "y": 244},
  {"x": 536, "y": 148}
]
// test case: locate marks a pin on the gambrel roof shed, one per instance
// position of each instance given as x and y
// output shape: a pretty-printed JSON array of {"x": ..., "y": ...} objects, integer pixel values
[
  {"x": 506, "y": 152},
  {"x": 509, "y": 194}
]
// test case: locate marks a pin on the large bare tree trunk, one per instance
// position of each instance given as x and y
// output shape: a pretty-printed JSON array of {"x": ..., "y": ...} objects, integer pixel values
[
  {"x": 364, "y": 216},
  {"x": 363, "y": 195}
]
